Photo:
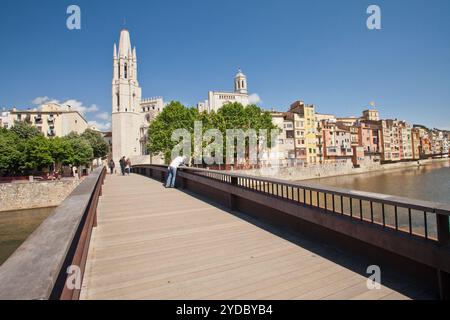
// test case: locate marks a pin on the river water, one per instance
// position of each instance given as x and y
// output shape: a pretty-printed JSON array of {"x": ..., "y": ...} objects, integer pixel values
[
  {"x": 429, "y": 182},
  {"x": 16, "y": 226}
]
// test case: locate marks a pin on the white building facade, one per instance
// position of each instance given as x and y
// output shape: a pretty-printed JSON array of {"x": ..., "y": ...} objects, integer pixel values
[
  {"x": 130, "y": 114},
  {"x": 216, "y": 99},
  {"x": 5, "y": 121}
]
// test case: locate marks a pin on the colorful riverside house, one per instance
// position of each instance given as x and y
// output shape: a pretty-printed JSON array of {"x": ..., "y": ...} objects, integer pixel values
[
  {"x": 425, "y": 141},
  {"x": 299, "y": 138},
  {"x": 390, "y": 140},
  {"x": 301, "y": 115},
  {"x": 306, "y": 125},
  {"x": 320, "y": 119},
  {"x": 353, "y": 128},
  {"x": 336, "y": 143},
  {"x": 405, "y": 141},
  {"x": 370, "y": 138},
  {"x": 436, "y": 141},
  {"x": 285, "y": 148},
  {"x": 350, "y": 124},
  {"x": 439, "y": 142},
  {"x": 446, "y": 142},
  {"x": 416, "y": 148}
]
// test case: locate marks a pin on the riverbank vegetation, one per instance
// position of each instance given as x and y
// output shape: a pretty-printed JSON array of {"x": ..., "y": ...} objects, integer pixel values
[{"x": 25, "y": 150}]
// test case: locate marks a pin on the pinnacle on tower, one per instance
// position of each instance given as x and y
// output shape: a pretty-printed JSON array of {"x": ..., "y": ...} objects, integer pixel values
[{"x": 124, "y": 44}]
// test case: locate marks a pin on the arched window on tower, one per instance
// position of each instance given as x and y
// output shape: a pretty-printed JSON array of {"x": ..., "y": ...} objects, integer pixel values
[
  {"x": 242, "y": 84},
  {"x": 126, "y": 70},
  {"x": 118, "y": 101}
]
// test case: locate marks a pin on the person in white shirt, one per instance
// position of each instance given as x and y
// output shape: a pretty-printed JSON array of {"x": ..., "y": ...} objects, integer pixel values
[{"x": 172, "y": 170}]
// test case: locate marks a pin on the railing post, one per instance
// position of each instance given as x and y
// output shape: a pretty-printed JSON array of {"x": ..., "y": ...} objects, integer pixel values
[
  {"x": 442, "y": 224},
  {"x": 443, "y": 235},
  {"x": 231, "y": 197},
  {"x": 444, "y": 284}
]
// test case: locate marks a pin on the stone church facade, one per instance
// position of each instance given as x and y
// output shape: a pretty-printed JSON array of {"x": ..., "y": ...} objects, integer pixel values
[{"x": 216, "y": 99}]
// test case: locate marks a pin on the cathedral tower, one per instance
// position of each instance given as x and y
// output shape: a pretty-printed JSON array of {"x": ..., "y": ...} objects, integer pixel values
[{"x": 126, "y": 98}]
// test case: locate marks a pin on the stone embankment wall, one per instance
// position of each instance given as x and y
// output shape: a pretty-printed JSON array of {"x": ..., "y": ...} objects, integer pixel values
[
  {"x": 27, "y": 195},
  {"x": 328, "y": 170}
]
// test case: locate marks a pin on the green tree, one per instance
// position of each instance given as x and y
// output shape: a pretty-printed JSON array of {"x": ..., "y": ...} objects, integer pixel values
[
  {"x": 230, "y": 116},
  {"x": 236, "y": 116},
  {"x": 37, "y": 153},
  {"x": 24, "y": 130},
  {"x": 80, "y": 151},
  {"x": 174, "y": 116},
  {"x": 11, "y": 159},
  {"x": 98, "y": 144},
  {"x": 61, "y": 151}
]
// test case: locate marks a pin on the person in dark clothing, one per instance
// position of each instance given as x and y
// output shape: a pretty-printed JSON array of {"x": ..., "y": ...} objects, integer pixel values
[
  {"x": 122, "y": 165},
  {"x": 111, "y": 165}
]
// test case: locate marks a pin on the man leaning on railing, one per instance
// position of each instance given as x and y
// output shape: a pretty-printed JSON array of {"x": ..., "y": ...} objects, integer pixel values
[{"x": 172, "y": 170}]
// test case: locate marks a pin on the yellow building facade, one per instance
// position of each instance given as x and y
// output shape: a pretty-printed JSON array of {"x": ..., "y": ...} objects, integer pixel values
[
  {"x": 51, "y": 119},
  {"x": 305, "y": 125}
]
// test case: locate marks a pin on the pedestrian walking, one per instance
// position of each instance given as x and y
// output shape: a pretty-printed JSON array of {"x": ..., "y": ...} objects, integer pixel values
[
  {"x": 111, "y": 165},
  {"x": 122, "y": 165}
]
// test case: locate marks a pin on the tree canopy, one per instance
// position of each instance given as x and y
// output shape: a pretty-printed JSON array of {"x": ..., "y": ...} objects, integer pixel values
[
  {"x": 99, "y": 146},
  {"x": 173, "y": 116},
  {"x": 80, "y": 151},
  {"x": 11, "y": 158},
  {"x": 24, "y": 149},
  {"x": 176, "y": 116},
  {"x": 24, "y": 130}
]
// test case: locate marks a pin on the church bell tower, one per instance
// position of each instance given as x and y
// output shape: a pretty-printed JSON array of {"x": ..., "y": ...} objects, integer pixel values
[
  {"x": 126, "y": 98},
  {"x": 240, "y": 83}
]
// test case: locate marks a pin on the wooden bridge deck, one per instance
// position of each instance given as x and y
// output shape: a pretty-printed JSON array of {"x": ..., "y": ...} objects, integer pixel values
[{"x": 157, "y": 243}]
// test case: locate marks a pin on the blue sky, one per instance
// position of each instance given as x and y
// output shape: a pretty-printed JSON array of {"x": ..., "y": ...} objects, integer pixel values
[{"x": 317, "y": 51}]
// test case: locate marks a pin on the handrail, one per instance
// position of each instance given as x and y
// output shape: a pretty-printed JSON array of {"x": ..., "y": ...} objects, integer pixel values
[
  {"x": 359, "y": 205},
  {"x": 360, "y": 195},
  {"x": 363, "y": 195},
  {"x": 37, "y": 269}
]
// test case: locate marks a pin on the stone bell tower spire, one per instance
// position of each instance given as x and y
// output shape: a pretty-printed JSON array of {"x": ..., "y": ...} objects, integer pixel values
[
  {"x": 126, "y": 99},
  {"x": 126, "y": 90}
]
